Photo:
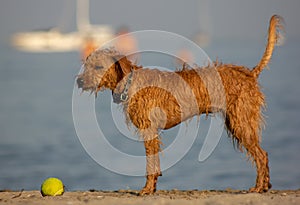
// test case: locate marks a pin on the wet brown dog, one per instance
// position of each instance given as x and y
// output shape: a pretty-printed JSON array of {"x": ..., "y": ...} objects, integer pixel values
[{"x": 154, "y": 100}]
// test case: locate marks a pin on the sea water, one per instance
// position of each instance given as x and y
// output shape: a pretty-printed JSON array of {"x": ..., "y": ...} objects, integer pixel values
[{"x": 38, "y": 138}]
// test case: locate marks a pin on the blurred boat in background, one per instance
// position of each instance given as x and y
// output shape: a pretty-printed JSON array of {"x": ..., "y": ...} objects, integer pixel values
[{"x": 53, "y": 40}]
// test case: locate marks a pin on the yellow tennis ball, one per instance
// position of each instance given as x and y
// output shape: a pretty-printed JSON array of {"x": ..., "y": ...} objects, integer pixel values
[{"x": 52, "y": 187}]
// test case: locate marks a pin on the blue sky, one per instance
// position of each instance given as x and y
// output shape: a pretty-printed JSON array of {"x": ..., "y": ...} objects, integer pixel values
[{"x": 241, "y": 19}]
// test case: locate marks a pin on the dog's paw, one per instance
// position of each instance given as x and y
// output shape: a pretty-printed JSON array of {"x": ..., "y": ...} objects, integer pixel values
[
  {"x": 256, "y": 190},
  {"x": 261, "y": 189},
  {"x": 146, "y": 191}
]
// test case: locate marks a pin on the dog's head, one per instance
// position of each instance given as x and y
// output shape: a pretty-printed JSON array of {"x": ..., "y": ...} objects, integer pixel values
[{"x": 103, "y": 69}]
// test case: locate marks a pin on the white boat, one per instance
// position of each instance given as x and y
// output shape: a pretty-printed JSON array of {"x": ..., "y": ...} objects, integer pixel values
[
  {"x": 54, "y": 41},
  {"x": 46, "y": 41}
]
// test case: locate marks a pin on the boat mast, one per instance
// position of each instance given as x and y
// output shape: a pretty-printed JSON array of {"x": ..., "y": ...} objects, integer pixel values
[{"x": 83, "y": 18}]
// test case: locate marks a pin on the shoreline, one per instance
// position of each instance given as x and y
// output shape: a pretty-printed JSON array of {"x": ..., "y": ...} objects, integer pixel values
[{"x": 206, "y": 197}]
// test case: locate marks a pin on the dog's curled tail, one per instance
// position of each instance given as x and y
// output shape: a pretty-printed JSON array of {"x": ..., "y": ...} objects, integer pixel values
[{"x": 276, "y": 37}]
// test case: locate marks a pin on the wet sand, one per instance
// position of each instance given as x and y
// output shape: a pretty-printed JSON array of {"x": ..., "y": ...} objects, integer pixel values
[{"x": 91, "y": 197}]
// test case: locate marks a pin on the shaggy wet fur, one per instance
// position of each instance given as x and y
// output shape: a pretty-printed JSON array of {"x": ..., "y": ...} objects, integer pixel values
[{"x": 161, "y": 100}]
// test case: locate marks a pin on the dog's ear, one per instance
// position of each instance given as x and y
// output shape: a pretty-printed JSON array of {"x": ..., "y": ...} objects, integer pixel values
[{"x": 122, "y": 64}]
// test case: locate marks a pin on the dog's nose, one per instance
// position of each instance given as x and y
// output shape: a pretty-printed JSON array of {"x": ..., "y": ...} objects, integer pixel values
[{"x": 80, "y": 82}]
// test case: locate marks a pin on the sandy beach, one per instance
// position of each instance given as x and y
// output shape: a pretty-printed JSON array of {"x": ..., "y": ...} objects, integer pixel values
[{"x": 120, "y": 197}]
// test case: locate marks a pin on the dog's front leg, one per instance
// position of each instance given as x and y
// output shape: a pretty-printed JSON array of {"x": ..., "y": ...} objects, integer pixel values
[{"x": 152, "y": 147}]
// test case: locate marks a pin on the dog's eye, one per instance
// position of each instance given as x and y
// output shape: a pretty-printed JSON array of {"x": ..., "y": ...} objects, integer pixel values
[{"x": 98, "y": 67}]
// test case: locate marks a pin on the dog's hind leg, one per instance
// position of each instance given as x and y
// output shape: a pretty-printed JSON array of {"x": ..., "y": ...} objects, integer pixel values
[
  {"x": 259, "y": 156},
  {"x": 245, "y": 130},
  {"x": 152, "y": 147},
  {"x": 261, "y": 160}
]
